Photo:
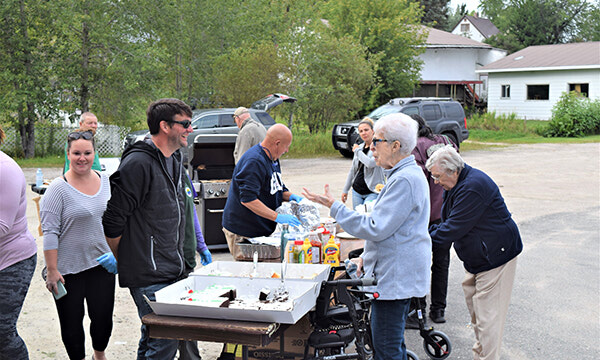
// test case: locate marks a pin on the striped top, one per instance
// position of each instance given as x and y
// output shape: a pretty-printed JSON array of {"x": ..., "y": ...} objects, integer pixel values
[{"x": 72, "y": 223}]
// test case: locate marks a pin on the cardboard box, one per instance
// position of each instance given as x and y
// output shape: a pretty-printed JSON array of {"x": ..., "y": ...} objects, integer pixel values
[
  {"x": 303, "y": 297},
  {"x": 316, "y": 273},
  {"x": 295, "y": 338}
]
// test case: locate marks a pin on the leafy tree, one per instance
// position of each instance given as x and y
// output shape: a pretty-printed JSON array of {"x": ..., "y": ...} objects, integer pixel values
[
  {"x": 244, "y": 75},
  {"x": 435, "y": 13},
  {"x": 25, "y": 74},
  {"x": 330, "y": 76},
  {"x": 389, "y": 29},
  {"x": 524, "y": 23}
]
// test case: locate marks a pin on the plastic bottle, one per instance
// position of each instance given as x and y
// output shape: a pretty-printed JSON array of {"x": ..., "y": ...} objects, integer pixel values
[
  {"x": 331, "y": 253},
  {"x": 39, "y": 178},
  {"x": 317, "y": 246},
  {"x": 284, "y": 231},
  {"x": 298, "y": 257},
  {"x": 306, "y": 252}
]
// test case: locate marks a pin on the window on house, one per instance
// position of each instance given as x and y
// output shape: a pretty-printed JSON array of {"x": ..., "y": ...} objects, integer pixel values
[
  {"x": 465, "y": 27},
  {"x": 538, "y": 92},
  {"x": 505, "y": 92},
  {"x": 582, "y": 89}
]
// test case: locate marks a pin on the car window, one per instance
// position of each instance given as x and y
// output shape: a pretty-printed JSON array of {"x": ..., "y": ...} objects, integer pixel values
[
  {"x": 410, "y": 110},
  {"x": 204, "y": 122},
  {"x": 264, "y": 118},
  {"x": 226, "y": 120},
  {"x": 432, "y": 112},
  {"x": 454, "y": 111},
  {"x": 382, "y": 111}
]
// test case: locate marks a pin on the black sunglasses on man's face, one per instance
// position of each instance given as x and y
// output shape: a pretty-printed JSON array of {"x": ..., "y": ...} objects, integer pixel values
[{"x": 185, "y": 123}]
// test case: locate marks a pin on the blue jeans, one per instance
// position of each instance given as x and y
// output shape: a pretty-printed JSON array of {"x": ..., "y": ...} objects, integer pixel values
[
  {"x": 150, "y": 348},
  {"x": 358, "y": 199},
  {"x": 387, "y": 324}
]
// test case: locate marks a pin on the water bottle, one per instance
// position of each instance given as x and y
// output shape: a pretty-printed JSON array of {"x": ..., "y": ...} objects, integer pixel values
[
  {"x": 39, "y": 178},
  {"x": 351, "y": 268}
]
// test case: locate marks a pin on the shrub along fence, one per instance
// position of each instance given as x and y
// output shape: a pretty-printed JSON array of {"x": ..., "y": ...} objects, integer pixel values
[{"x": 50, "y": 139}]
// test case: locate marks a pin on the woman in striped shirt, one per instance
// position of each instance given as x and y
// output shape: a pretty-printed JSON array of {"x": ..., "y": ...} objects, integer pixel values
[{"x": 71, "y": 215}]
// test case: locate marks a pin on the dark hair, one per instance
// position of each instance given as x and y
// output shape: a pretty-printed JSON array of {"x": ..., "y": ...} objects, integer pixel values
[
  {"x": 368, "y": 121},
  {"x": 424, "y": 129},
  {"x": 79, "y": 135},
  {"x": 2, "y": 135},
  {"x": 165, "y": 110}
]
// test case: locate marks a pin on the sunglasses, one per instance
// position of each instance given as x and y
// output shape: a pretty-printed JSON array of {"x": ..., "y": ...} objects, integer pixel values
[
  {"x": 76, "y": 135},
  {"x": 376, "y": 140},
  {"x": 185, "y": 123}
]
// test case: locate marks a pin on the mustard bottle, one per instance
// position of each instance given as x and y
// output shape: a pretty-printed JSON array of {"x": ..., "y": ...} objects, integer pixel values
[
  {"x": 331, "y": 253},
  {"x": 307, "y": 251}
]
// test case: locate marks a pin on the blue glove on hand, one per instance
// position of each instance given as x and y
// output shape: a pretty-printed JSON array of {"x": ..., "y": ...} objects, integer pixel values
[
  {"x": 296, "y": 198},
  {"x": 205, "y": 257},
  {"x": 109, "y": 262},
  {"x": 287, "y": 219}
]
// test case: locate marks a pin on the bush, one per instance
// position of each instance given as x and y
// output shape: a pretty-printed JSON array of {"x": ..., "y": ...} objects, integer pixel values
[{"x": 574, "y": 116}]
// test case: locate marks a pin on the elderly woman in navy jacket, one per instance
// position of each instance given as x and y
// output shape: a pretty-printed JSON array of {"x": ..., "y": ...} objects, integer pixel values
[
  {"x": 397, "y": 248},
  {"x": 476, "y": 219}
]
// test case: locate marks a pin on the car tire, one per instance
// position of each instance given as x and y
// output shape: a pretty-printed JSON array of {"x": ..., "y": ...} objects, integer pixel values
[
  {"x": 453, "y": 138},
  {"x": 346, "y": 153}
]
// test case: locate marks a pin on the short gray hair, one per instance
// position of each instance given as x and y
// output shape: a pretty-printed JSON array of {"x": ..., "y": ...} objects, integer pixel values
[
  {"x": 399, "y": 127},
  {"x": 447, "y": 159}
]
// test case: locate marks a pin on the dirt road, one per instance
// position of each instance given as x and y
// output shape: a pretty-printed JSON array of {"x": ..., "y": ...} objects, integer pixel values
[{"x": 536, "y": 180}]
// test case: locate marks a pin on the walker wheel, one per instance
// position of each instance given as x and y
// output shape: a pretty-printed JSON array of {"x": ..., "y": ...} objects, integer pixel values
[
  {"x": 411, "y": 355},
  {"x": 440, "y": 348}
]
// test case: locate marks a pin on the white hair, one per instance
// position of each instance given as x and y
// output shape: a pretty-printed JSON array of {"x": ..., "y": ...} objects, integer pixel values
[
  {"x": 447, "y": 160},
  {"x": 399, "y": 127}
]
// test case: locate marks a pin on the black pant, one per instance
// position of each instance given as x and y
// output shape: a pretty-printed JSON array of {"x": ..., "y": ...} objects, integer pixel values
[
  {"x": 97, "y": 287},
  {"x": 439, "y": 277}
]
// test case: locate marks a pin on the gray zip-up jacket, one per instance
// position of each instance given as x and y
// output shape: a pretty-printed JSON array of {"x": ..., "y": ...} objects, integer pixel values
[
  {"x": 373, "y": 173},
  {"x": 146, "y": 209}
]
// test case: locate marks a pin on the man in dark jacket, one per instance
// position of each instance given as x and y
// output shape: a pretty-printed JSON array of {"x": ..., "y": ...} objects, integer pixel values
[
  {"x": 144, "y": 222},
  {"x": 476, "y": 219}
]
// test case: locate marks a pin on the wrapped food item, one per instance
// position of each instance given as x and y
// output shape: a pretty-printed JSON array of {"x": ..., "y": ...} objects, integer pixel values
[{"x": 306, "y": 211}]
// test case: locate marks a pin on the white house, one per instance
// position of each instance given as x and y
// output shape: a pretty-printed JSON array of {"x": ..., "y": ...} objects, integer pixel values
[
  {"x": 475, "y": 28},
  {"x": 450, "y": 63},
  {"x": 529, "y": 82}
]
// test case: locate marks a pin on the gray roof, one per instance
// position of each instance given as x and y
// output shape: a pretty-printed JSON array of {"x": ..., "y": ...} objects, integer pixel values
[
  {"x": 549, "y": 57},
  {"x": 485, "y": 26},
  {"x": 439, "y": 38}
]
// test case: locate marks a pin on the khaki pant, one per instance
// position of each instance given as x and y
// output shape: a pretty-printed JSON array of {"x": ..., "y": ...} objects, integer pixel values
[
  {"x": 488, "y": 295},
  {"x": 232, "y": 240}
]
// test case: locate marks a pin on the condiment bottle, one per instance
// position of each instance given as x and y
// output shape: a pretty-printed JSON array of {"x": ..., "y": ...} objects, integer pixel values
[
  {"x": 331, "y": 253},
  {"x": 284, "y": 231},
  {"x": 317, "y": 246},
  {"x": 306, "y": 252},
  {"x": 298, "y": 257}
]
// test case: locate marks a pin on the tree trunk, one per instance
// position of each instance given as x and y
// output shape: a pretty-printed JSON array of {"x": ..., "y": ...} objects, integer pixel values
[{"x": 84, "y": 93}]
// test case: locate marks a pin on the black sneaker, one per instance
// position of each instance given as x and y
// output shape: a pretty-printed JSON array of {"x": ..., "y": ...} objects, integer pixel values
[
  {"x": 412, "y": 323},
  {"x": 437, "y": 316}
]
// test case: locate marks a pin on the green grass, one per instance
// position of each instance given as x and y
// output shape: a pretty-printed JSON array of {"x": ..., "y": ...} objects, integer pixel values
[
  {"x": 306, "y": 145},
  {"x": 53, "y": 161}
]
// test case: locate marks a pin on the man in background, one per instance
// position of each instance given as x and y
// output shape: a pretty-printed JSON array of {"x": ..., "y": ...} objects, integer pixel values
[{"x": 251, "y": 132}]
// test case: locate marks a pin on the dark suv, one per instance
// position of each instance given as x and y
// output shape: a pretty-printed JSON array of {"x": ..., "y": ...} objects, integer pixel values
[{"x": 444, "y": 116}]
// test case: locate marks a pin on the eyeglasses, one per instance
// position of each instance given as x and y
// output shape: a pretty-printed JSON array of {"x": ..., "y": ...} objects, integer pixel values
[
  {"x": 376, "y": 140},
  {"x": 76, "y": 135},
  {"x": 185, "y": 123},
  {"x": 436, "y": 178}
]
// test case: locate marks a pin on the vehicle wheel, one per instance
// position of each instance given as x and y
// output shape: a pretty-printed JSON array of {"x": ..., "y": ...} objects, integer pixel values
[
  {"x": 346, "y": 153},
  {"x": 453, "y": 138},
  {"x": 441, "y": 348},
  {"x": 411, "y": 355}
]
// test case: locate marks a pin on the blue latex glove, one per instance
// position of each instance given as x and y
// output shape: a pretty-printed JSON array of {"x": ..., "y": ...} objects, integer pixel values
[
  {"x": 287, "y": 219},
  {"x": 296, "y": 198},
  {"x": 205, "y": 257},
  {"x": 109, "y": 262}
]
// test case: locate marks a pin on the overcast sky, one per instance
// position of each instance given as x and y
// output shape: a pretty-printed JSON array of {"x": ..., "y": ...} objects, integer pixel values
[{"x": 471, "y": 4}]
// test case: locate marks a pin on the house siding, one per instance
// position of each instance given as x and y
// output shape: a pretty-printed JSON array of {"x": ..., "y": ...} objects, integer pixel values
[
  {"x": 558, "y": 81},
  {"x": 473, "y": 33}
]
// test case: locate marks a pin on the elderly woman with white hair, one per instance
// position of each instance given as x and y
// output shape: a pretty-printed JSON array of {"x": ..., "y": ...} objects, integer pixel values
[
  {"x": 476, "y": 219},
  {"x": 397, "y": 248}
]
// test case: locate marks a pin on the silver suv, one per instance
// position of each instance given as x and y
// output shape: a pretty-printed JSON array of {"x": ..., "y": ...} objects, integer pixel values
[{"x": 443, "y": 115}]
